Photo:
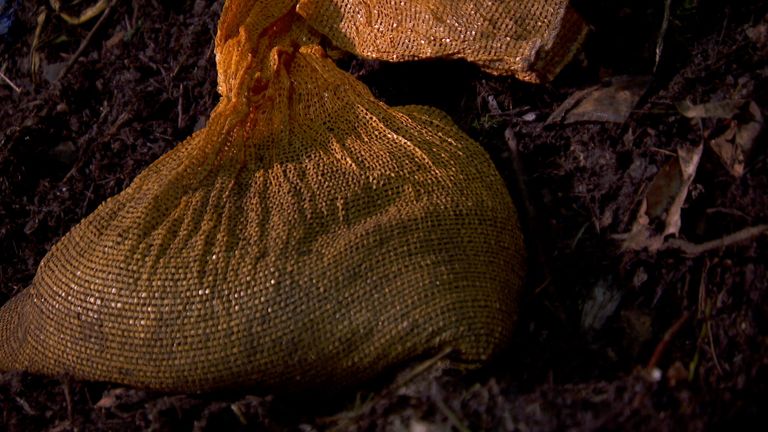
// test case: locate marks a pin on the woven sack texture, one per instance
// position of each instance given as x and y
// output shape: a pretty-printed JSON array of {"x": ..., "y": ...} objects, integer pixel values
[
  {"x": 531, "y": 39},
  {"x": 308, "y": 236}
]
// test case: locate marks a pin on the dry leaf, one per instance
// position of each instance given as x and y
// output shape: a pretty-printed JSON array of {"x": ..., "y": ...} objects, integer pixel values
[
  {"x": 600, "y": 305},
  {"x": 116, "y": 38},
  {"x": 638, "y": 327},
  {"x": 602, "y": 103},
  {"x": 719, "y": 109},
  {"x": 120, "y": 396},
  {"x": 52, "y": 70},
  {"x": 759, "y": 33},
  {"x": 641, "y": 236},
  {"x": 663, "y": 188},
  {"x": 729, "y": 152},
  {"x": 663, "y": 202},
  {"x": 111, "y": 398},
  {"x": 677, "y": 373},
  {"x": 734, "y": 146},
  {"x": 689, "y": 158}
]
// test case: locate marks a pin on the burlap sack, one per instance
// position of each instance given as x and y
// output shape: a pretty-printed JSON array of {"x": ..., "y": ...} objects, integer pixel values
[
  {"x": 531, "y": 39},
  {"x": 308, "y": 236}
]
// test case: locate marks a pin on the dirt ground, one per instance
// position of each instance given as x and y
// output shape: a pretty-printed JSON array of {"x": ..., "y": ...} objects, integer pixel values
[{"x": 622, "y": 327}]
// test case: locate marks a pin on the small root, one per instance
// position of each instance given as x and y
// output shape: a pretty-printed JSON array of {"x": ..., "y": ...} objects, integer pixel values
[
  {"x": 662, "y": 346},
  {"x": 693, "y": 249}
]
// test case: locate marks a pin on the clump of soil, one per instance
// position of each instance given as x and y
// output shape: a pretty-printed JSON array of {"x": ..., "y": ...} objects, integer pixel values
[{"x": 609, "y": 338}]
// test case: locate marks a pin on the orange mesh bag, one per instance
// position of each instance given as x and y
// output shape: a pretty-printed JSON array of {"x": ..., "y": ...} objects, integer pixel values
[
  {"x": 531, "y": 39},
  {"x": 308, "y": 236}
]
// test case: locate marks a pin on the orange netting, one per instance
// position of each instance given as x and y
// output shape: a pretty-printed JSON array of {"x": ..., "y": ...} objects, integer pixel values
[
  {"x": 309, "y": 235},
  {"x": 531, "y": 39}
]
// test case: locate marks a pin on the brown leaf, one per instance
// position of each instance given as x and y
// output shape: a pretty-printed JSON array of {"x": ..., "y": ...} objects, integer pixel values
[
  {"x": 109, "y": 400},
  {"x": 119, "y": 396},
  {"x": 719, "y": 109},
  {"x": 662, "y": 190},
  {"x": 677, "y": 373},
  {"x": 602, "y": 103},
  {"x": 730, "y": 154},
  {"x": 689, "y": 158},
  {"x": 759, "y": 33},
  {"x": 600, "y": 305},
  {"x": 663, "y": 202},
  {"x": 735, "y": 144}
]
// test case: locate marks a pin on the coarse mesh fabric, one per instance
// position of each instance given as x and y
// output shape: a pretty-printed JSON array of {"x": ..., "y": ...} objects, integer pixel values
[
  {"x": 309, "y": 236},
  {"x": 531, "y": 39}
]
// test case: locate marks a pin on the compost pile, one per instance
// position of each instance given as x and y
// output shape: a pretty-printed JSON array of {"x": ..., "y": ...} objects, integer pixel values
[{"x": 640, "y": 176}]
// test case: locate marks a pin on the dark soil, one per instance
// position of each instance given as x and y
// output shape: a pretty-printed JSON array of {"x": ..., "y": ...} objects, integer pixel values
[{"x": 678, "y": 342}]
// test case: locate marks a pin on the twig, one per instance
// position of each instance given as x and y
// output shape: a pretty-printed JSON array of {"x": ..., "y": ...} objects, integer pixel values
[
  {"x": 693, "y": 249},
  {"x": 181, "y": 106},
  {"x": 452, "y": 417},
  {"x": 705, "y": 309},
  {"x": 85, "y": 42},
  {"x": 517, "y": 165},
  {"x": 9, "y": 82},
  {"x": 712, "y": 346},
  {"x": 543, "y": 285},
  {"x": 67, "y": 397},
  {"x": 662, "y": 32},
  {"x": 671, "y": 332},
  {"x": 579, "y": 234},
  {"x": 702, "y": 297},
  {"x": 34, "y": 57},
  {"x": 422, "y": 367},
  {"x": 694, "y": 364},
  {"x": 728, "y": 211},
  {"x": 527, "y": 213},
  {"x": 25, "y": 406}
]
